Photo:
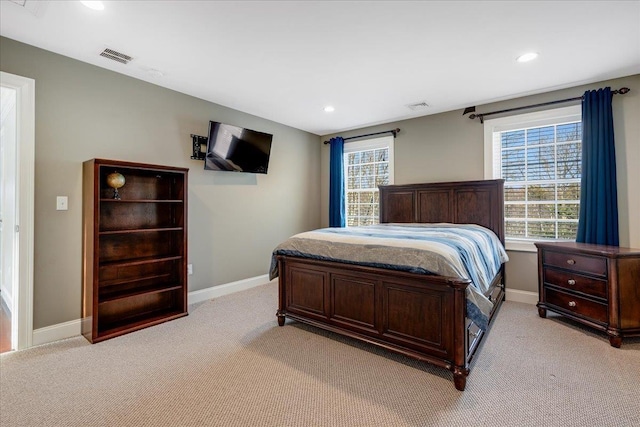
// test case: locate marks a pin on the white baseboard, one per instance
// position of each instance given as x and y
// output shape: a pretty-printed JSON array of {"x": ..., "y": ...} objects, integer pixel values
[
  {"x": 522, "y": 296},
  {"x": 56, "y": 332},
  {"x": 228, "y": 288},
  {"x": 72, "y": 328}
]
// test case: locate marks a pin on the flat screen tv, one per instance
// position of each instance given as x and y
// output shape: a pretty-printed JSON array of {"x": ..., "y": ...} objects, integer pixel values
[{"x": 232, "y": 148}]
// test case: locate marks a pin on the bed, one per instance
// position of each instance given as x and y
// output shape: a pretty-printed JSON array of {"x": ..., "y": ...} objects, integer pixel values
[{"x": 402, "y": 308}]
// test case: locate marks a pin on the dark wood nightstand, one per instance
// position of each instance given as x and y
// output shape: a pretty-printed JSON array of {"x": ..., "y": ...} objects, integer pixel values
[{"x": 596, "y": 285}]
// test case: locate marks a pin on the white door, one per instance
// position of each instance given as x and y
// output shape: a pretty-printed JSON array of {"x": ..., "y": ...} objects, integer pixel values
[{"x": 17, "y": 158}]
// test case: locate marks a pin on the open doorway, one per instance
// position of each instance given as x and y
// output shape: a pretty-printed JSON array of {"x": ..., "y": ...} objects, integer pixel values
[
  {"x": 8, "y": 184},
  {"x": 17, "y": 144}
]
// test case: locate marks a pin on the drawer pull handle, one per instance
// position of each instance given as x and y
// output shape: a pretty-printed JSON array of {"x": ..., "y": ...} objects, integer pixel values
[
  {"x": 571, "y": 282},
  {"x": 571, "y": 261},
  {"x": 572, "y": 303}
]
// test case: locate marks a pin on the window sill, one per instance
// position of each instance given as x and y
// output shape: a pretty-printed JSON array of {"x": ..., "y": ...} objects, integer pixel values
[
  {"x": 526, "y": 245},
  {"x": 520, "y": 246}
]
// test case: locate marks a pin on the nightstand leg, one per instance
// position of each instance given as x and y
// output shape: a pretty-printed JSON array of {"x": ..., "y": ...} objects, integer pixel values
[
  {"x": 542, "y": 312},
  {"x": 615, "y": 341}
]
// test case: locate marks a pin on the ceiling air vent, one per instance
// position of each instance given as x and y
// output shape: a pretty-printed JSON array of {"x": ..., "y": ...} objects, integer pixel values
[
  {"x": 418, "y": 106},
  {"x": 116, "y": 56},
  {"x": 36, "y": 8}
]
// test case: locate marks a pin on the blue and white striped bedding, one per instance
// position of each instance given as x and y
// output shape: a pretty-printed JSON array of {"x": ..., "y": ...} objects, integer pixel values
[{"x": 465, "y": 251}]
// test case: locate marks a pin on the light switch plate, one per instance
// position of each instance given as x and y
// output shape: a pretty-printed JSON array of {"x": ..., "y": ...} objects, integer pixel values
[{"x": 62, "y": 203}]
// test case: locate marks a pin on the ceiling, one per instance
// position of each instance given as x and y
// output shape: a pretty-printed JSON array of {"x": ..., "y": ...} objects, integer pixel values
[{"x": 286, "y": 60}]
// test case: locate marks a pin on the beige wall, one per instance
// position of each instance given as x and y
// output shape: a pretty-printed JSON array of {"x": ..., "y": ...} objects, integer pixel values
[
  {"x": 449, "y": 147},
  {"x": 83, "y": 112}
]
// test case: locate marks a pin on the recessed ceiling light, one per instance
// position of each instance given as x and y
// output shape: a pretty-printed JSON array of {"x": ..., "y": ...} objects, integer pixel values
[
  {"x": 95, "y": 5},
  {"x": 527, "y": 57},
  {"x": 329, "y": 109}
]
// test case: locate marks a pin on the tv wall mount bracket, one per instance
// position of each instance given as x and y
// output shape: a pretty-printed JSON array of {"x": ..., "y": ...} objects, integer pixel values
[{"x": 198, "y": 143}]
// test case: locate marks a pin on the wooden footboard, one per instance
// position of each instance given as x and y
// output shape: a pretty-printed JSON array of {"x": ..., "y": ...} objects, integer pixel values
[{"x": 420, "y": 316}]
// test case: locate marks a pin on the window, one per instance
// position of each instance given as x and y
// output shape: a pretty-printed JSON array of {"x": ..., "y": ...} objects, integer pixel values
[
  {"x": 367, "y": 164},
  {"x": 539, "y": 155}
]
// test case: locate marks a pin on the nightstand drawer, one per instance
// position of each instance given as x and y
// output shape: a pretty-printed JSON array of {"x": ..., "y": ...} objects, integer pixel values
[
  {"x": 576, "y": 282},
  {"x": 581, "y": 263},
  {"x": 577, "y": 305}
]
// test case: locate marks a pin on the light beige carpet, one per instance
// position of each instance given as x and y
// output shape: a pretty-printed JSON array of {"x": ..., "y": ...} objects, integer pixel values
[{"x": 229, "y": 364}]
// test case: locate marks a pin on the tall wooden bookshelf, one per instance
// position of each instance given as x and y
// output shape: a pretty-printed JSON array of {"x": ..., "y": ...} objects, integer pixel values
[{"x": 134, "y": 247}]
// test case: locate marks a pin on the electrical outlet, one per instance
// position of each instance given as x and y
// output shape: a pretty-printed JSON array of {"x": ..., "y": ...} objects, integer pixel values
[{"x": 190, "y": 269}]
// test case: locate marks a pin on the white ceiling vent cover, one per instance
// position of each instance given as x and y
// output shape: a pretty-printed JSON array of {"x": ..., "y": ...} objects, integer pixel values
[
  {"x": 116, "y": 56},
  {"x": 37, "y": 8},
  {"x": 418, "y": 106}
]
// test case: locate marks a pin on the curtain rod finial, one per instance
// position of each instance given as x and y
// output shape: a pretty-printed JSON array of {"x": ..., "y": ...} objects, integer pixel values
[{"x": 623, "y": 90}]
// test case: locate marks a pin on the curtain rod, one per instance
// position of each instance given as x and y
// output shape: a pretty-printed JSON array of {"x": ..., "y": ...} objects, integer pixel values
[
  {"x": 467, "y": 110},
  {"x": 393, "y": 131}
]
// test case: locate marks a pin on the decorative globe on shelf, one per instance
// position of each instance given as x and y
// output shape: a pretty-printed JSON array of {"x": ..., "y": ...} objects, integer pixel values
[{"x": 115, "y": 180}]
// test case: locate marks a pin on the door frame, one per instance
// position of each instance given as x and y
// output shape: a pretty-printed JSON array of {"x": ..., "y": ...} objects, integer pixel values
[{"x": 25, "y": 171}]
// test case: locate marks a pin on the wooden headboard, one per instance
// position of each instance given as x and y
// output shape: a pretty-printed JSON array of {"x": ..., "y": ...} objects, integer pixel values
[{"x": 462, "y": 202}]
